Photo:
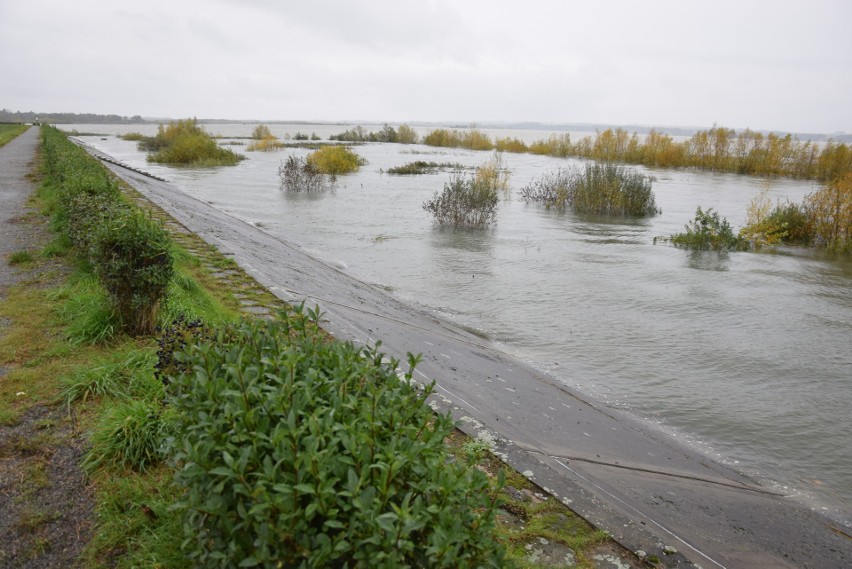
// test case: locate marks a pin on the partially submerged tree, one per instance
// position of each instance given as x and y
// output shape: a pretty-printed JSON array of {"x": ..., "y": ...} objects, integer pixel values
[{"x": 299, "y": 175}]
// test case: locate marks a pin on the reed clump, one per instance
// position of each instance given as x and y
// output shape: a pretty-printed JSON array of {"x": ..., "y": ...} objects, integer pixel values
[{"x": 606, "y": 189}]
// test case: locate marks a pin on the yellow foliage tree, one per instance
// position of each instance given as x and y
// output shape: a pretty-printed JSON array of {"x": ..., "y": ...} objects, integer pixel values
[{"x": 830, "y": 214}]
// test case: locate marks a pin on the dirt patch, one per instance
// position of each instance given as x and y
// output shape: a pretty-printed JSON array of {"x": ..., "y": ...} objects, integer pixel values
[{"x": 46, "y": 503}]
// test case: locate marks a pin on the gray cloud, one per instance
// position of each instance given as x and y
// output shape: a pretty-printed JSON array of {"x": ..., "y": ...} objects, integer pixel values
[{"x": 783, "y": 65}]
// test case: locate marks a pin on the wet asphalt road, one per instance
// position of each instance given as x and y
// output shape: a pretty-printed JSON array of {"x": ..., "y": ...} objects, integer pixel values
[{"x": 644, "y": 487}]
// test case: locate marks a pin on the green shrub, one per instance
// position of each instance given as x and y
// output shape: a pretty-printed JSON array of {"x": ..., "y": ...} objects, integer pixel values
[
  {"x": 299, "y": 452},
  {"x": 174, "y": 339},
  {"x": 465, "y": 202},
  {"x": 298, "y": 175},
  {"x": 335, "y": 160},
  {"x": 86, "y": 213},
  {"x": 133, "y": 136},
  {"x": 793, "y": 218},
  {"x": 708, "y": 231},
  {"x": 184, "y": 142},
  {"x": 133, "y": 262},
  {"x": 129, "y": 435}
]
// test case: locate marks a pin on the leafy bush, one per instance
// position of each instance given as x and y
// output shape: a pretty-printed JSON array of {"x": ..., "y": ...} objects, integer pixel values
[
  {"x": 829, "y": 212},
  {"x": 184, "y": 142},
  {"x": 134, "y": 264},
  {"x": 335, "y": 160},
  {"x": 174, "y": 339},
  {"x": 86, "y": 213},
  {"x": 132, "y": 136},
  {"x": 708, "y": 231},
  {"x": 786, "y": 223},
  {"x": 298, "y": 175},
  {"x": 607, "y": 189},
  {"x": 297, "y": 452},
  {"x": 465, "y": 202}
]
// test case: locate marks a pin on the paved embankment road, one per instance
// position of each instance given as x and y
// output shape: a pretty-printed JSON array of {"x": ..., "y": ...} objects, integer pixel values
[{"x": 644, "y": 487}]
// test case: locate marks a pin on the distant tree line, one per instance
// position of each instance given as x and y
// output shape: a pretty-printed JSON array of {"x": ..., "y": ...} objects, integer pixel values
[
  {"x": 403, "y": 134},
  {"x": 8, "y": 116},
  {"x": 718, "y": 149}
]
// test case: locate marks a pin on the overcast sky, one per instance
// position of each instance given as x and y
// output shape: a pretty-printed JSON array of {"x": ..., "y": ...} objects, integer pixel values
[{"x": 783, "y": 65}]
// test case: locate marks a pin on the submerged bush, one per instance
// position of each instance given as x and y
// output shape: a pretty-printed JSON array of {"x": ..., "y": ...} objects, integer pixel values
[
  {"x": 553, "y": 189},
  {"x": 422, "y": 167},
  {"x": 465, "y": 202},
  {"x": 765, "y": 225},
  {"x": 606, "y": 189},
  {"x": 299, "y": 452},
  {"x": 264, "y": 140},
  {"x": 708, "y": 231},
  {"x": 335, "y": 160},
  {"x": 298, "y": 175},
  {"x": 184, "y": 142},
  {"x": 610, "y": 189}
]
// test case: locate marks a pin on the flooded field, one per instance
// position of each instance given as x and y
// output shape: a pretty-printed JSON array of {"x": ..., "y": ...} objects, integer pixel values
[{"x": 744, "y": 355}]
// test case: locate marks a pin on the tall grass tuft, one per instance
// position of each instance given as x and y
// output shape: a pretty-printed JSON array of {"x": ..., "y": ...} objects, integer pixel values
[
  {"x": 129, "y": 435},
  {"x": 118, "y": 375},
  {"x": 87, "y": 311},
  {"x": 610, "y": 189}
]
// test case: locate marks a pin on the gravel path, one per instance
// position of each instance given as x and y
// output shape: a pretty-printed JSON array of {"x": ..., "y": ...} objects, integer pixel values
[{"x": 45, "y": 505}]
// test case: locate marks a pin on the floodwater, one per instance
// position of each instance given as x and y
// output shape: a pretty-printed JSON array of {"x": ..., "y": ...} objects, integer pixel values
[{"x": 746, "y": 356}]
